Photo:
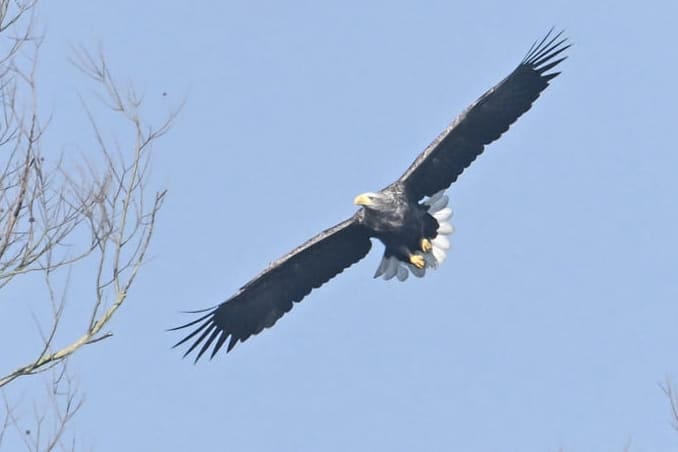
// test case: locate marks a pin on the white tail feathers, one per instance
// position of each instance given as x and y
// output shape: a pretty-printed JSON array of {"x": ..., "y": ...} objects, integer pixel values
[{"x": 392, "y": 267}]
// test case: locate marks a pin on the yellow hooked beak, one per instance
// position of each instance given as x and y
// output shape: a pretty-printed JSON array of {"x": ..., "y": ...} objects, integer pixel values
[{"x": 362, "y": 200}]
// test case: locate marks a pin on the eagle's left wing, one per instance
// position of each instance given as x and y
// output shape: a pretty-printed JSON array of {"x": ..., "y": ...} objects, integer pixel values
[{"x": 484, "y": 121}]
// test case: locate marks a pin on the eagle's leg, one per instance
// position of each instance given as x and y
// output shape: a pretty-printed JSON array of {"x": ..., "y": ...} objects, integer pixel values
[
  {"x": 417, "y": 260},
  {"x": 426, "y": 245}
]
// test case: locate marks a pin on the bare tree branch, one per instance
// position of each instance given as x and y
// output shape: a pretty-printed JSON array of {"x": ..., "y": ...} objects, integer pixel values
[
  {"x": 89, "y": 216},
  {"x": 110, "y": 204},
  {"x": 51, "y": 418},
  {"x": 668, "y": 388}
]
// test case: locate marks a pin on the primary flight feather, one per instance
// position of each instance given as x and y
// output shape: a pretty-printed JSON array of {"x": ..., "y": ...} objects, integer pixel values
[{"x": 410, "y": 216}]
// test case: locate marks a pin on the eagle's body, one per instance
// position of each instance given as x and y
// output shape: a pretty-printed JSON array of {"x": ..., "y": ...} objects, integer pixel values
[
  {"x": 399, "y": 223},
  {"x": 410, "y": 217}
]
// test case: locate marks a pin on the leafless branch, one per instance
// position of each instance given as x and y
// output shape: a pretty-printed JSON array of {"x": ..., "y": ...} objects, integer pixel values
[
  {"x": 51, "y": 417},
  {"x": 87, "y": 216},
  {"x": 55, "y": 220},
  {"x": 668, "y": 388},
  {"x": 109, "y": 204}
]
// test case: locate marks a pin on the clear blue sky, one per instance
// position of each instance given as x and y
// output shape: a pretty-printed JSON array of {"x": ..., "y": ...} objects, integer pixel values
[{"x": 549, "y": 326}]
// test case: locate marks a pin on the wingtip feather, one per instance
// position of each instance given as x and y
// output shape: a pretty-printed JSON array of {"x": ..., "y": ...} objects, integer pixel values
[{"x": 545, "y": 49}]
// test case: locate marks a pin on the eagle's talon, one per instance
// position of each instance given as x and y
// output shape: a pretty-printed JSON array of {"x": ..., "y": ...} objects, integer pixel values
[
  {"x": 418, "y": 261},
  {"x": 426, "y": 245}
]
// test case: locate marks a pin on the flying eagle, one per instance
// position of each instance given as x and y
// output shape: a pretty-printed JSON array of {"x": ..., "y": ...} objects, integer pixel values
[{"x": 410, "y": 216}]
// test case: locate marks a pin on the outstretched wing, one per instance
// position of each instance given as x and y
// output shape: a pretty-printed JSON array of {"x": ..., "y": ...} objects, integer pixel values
[
  {"x": 267, "y": 297},
  {"x": 484, "y": 121}
]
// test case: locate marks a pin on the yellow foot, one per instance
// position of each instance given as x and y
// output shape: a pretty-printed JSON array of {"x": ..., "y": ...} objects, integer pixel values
[
  {"x": 418, "y": 261},
  {"x": 426, "y": 245}
]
